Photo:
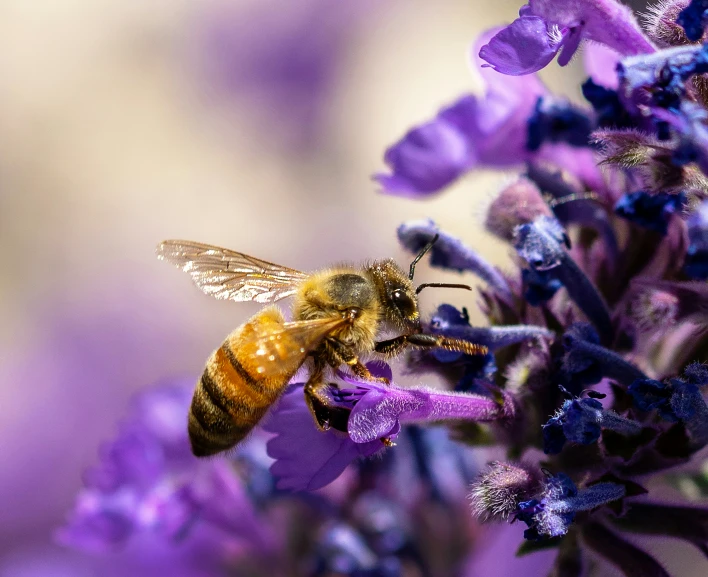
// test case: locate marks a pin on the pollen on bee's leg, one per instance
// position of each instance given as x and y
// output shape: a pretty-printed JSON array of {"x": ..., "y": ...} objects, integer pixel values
[{"x": 388, "y": 442}]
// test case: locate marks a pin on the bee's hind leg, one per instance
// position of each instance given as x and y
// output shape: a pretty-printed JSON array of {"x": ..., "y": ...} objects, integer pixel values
[{"x": 325, "y": 413}]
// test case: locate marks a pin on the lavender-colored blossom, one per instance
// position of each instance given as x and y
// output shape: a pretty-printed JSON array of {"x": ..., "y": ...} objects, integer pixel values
[
  {"x": 550, "y": 514},
  {"x": 469, "y": 133},
  {"x": 148, "y": 481},
  {"x": 307, "y": 458},
  {"x": 581, "y": 421},
  {"x": 548, "y": 27},
  {"x": 677, "y": 400},
  {"x": 426, "y": 159}
]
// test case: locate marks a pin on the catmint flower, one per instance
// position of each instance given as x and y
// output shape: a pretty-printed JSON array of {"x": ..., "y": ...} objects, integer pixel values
[
  {"x": 450, "y": 253},
  {"x": 693, "y": 19},
  {"x": 551, "y": 513},
  {"x": 540, "y": 244},
  {"x": 581, "y": 421},
  {"x": 426, "y": 159},
  {"x": 548, "y": 27},
  {"x": 149, "y": 482},
  {"x": 608, "y": 107},
  {"x": 696, "y": 263},
  {"x": 652, "y": 211},
  {"x": 665, "y": 303},
  {"x": 677, "y": 400},
  {"x": 307, "y": 458}
]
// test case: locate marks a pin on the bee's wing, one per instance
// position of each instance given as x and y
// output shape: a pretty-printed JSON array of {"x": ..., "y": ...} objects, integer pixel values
[
  {"x": 275, "y": 352},
  {"x": 226, "y": 274}
]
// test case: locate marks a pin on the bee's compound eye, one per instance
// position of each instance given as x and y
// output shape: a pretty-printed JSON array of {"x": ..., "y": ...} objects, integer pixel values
[{"x": 403, "y": 302}]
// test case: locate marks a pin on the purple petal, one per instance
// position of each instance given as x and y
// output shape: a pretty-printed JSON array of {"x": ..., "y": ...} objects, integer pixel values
[
  {"x": 521, "y": 48},
  {"x": 425, "y": 160},
  {"x": 307, "y": 458}
]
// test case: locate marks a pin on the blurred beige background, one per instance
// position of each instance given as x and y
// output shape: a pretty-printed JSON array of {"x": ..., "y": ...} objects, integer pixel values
[{"x": 115, "y": 134}]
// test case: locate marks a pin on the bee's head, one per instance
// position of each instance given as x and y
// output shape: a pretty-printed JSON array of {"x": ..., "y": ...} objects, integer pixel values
[{"x": 397, "y": 295}]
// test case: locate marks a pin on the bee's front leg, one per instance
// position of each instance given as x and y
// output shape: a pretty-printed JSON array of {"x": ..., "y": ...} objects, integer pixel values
[{"x": 396, "y": 345}]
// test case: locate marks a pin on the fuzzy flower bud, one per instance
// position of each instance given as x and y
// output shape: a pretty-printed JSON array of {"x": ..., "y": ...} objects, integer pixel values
[
  {"x": 519, "y": 203},
  {"x": 498, "y": 491}
]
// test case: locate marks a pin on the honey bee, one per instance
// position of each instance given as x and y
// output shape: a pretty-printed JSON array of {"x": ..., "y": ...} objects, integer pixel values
[{"x": 338, "y": 315}]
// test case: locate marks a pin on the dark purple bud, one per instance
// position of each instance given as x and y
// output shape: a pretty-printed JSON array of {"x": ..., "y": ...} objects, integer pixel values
[
  {"x": 693, "y": 19},
  {"x": 608, "y": 107},
  {"x": 519, "y": 203},
  {"x": 652, "y": 211},
  {"x": 555, "y": 121},
  {"x": 581, "y": 421},
  {"x": 551, "y": 513}
]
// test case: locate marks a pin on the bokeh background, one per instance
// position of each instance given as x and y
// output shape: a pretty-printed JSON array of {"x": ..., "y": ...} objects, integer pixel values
[{"x": 251, "y": 124}]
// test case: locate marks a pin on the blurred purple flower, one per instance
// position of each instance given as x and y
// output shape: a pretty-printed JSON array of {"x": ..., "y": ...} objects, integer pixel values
[
  {"x": 286, "y": 57},
  {"x": 148, "y": 481},
  {"x": 547, "y": 27}
]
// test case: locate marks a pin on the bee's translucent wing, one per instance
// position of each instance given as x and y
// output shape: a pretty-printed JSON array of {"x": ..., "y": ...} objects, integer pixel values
[
  {"x": 283, "y": 350},
  {"x": 226, "y": 274}
]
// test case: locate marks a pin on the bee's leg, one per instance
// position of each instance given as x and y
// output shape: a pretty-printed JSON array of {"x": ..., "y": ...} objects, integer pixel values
[
  {"x": 325, "y": 414},
  {"x": 396, "y": 345},
  {"x": 339, "y": 354}
]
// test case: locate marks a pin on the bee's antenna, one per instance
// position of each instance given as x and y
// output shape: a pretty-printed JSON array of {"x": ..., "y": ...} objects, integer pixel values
[
  {"x": 421, "y": 254},
  {"x": 441, "y": 284}
]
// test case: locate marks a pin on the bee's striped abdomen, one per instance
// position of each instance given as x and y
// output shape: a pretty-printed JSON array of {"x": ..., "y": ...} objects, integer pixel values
[{"x": 231, "y": 397}]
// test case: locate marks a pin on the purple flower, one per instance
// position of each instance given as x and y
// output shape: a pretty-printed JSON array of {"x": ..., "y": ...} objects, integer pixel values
[
  {"x": 550, "y": 514},
  {"x": 546, "y": 27},
  {"x": 466, "y": 134},
  {"x": 556, "y": 120},
  {"x": 678, "y": 400},
  {"x": 426, "y": 159},
  {"x": 307, "y": 458},
  {"x": 147, "y": 481},
  {"x": 581, "y": 421}
]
